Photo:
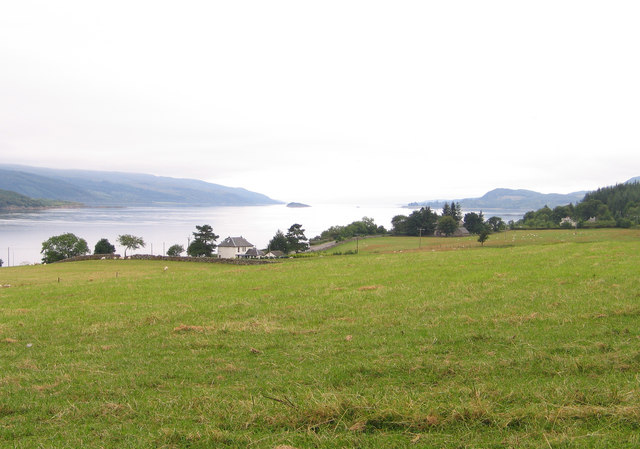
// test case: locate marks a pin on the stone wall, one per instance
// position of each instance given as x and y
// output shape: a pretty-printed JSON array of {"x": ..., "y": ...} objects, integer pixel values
[{"x": 172, "y": 259}]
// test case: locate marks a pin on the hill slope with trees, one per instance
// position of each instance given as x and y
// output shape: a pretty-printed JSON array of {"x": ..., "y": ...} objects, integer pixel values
[
  {"x": 617, "y": 205},
  {"x": 10, "y": 200}
]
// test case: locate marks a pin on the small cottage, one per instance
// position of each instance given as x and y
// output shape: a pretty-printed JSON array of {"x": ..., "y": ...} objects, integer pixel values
[
  {"x": 234, "y": 247},
  {"x": 274, "y": 254}
]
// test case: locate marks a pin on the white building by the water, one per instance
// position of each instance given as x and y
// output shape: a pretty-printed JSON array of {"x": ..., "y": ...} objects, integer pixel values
[{"x": 234, "y": 247}]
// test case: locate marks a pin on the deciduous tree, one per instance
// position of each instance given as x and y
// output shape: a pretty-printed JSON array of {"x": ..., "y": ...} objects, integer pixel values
[
  {"x": 483, "y": 236},
  {"x": 63, "y": 246},
  {"x": 424, "y": 219},
  {"x": 366, "y": 226},
  {"x": 496, "y": 224},
  {"x": 130, "y": 242},
  {"x": 448, "y": 225},
  {"x": 175, "y": 250},
  {"x": 400, "y": 225},
  {"x": 474, "y": 222}
]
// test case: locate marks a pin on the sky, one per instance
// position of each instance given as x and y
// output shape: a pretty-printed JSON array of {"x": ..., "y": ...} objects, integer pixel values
[{"x": 333, "y": 101}]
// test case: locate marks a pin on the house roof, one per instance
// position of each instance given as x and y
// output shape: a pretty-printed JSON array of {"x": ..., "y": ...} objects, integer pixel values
[
  {"x": 253, "y": 252},
  {"x": 461, "y": 231},
  {"x": 276, "y": 253},
  {"x": 235, "y": 242}
]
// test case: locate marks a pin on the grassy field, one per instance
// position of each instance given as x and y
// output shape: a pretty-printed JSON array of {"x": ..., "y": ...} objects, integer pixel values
[
  {"x": 531, "y": 341},
  {"x": 500, "y": 240}
]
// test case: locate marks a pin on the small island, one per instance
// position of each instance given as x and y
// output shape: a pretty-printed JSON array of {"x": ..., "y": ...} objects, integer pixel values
[{"x": 297, "y": 205}]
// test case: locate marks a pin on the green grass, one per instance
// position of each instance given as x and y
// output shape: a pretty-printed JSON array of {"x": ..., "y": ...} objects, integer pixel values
[
  {"x": 499, "y": 240},
  {"x": 531, "y": 341}
]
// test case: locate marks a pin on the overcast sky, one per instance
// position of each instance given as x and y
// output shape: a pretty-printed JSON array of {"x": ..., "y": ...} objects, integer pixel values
[{"x": 328, "y": 101}]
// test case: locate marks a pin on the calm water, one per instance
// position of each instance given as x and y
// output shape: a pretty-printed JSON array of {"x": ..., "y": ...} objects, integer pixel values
[{"x": 22, "y": 234}]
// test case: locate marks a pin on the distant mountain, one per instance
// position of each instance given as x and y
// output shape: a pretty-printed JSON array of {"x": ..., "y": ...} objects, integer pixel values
[
  {"x": 632, "y": 180},
  {"x": 510, "y": 199},
  {"x": 99, "y": 188}
]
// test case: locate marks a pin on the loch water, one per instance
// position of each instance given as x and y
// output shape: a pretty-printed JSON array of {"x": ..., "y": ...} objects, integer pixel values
[{"x": 22, "y": 233}]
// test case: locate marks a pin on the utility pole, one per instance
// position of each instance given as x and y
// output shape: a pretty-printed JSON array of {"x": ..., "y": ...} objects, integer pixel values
[{"x": 420, "y": 238}]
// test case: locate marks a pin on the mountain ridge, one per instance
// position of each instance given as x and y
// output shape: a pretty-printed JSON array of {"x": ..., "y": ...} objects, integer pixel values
[
  {"x": 112, "y": 188},
  {"x": 632, "y": 180},
  {"x": 515, "y": 199}
]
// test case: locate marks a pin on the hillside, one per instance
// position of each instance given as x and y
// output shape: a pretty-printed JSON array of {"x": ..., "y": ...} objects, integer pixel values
[
  {"x": 519, "y": 199},
  {"x": 98, "y": 188},
  {"x": 14, "y": 201}
]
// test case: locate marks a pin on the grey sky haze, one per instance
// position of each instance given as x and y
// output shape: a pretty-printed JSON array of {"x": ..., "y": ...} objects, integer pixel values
[{"x": 328, "y": 101}]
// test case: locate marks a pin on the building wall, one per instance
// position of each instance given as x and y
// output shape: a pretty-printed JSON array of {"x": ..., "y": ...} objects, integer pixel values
[
  {"x": 231, "y": 252},
  {"x": 227, "y": 252}
]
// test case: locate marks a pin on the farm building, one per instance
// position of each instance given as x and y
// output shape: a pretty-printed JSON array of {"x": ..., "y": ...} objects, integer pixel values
[{"x": 460, "y": 232}]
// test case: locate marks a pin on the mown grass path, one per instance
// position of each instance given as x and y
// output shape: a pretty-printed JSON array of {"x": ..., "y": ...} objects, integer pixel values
[{"x": 532, "y": 344}]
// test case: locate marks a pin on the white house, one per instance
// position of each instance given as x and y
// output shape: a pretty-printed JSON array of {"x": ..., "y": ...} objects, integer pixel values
[{"x": 233, "y": 247}]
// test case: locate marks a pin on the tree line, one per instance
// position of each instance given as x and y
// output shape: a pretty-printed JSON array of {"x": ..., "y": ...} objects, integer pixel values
[
  {"x": 426, "y": 222},
  {"x": 421, "y": 222},
  {"x": 69, "y": 245},
  {"x": 363, "y": 227}
]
